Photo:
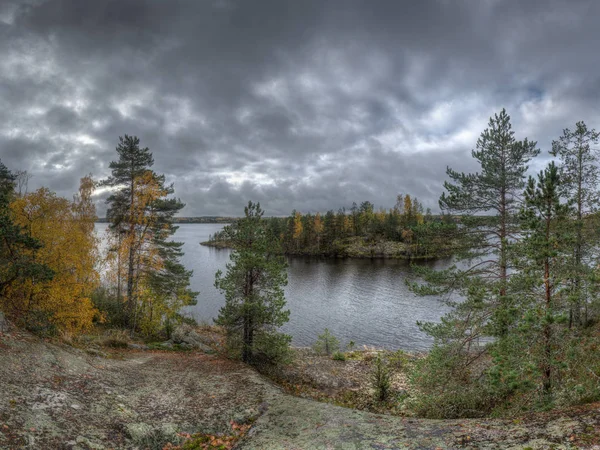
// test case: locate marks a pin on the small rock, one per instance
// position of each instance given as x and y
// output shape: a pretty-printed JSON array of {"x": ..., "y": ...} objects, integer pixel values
[
  {"x": 75, "y": 406},
  {"x": 263, "y": 407},
  {"x": 138, "y": 346}
]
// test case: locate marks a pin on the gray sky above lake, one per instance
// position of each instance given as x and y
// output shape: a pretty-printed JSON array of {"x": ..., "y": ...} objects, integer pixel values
[{"x": 306, "y": 104}]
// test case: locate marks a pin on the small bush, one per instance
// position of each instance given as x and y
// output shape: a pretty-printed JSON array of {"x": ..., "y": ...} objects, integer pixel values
[
  {"x": 66, "y": 337},
  {"x": 445, "y": 387},
  {"x": 326, "y": 343},
  {"x": 116, "y": 339},
  {"x": 338, "y": 356},
  {"x": 39, "y": 323},
  {"x": 167, "y": 346},
  {"x": 271, "y": 348},
  {"x": 399, "y": 359},
  {"x": 112, "y": 309},
  {"x": 355, "y": 355},
  {"x": 380, "y": 378}
]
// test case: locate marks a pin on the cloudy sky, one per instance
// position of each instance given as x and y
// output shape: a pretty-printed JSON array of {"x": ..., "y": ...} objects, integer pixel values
[{"x": 306, "y": 104}]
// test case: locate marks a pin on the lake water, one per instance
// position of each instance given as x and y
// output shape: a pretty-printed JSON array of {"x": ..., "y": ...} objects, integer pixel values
[{"x": 362, "y": 300}]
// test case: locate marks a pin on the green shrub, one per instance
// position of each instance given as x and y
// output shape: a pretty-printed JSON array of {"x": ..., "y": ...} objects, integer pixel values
[
  {"x": 326, "y": 343},
  {"x": 338, "y": 356},
  {"x": 380, "y": 378},
  {"x": 399, "y": 359},
  {"x": 39, "y": 323},
  {"x": 166, "y": 346},
  {"x": 112, "y": 309},
  {"x": 271, "y": 348},
  {"x": 445, "y": 388}
]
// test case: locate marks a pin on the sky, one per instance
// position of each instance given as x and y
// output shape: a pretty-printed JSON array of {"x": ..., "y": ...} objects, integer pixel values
[{"x": 306, "y": 105}]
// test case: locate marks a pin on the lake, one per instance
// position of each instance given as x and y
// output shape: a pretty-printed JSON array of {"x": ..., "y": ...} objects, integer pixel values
[{"x": 362, "y": 300}]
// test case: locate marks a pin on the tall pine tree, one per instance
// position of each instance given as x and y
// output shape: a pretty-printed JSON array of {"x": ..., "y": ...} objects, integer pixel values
[
  {"x": 488, "y": 202},
  {"x": 253, "y": 287},
  {"x": 580, "y": 175},
  {"x": 141, "y": 216},
  {"x": 540, "y": 281}
]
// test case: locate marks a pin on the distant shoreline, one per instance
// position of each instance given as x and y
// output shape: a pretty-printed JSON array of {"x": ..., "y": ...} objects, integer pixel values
[{"x": 201, "y": 219}]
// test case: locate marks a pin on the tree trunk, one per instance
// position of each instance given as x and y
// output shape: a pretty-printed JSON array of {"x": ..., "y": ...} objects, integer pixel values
[
  {"x": 130, "y": 269},
  {"x": 503, "y": 250},
  {"x": 130, "y": 276},
  {"x": 248, "y": 325},
  {"x": 547, "y": 364},
  {"x": 579, "y": 244}
]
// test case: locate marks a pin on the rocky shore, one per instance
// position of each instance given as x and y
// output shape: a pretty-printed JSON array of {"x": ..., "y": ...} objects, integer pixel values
[{"x": 56, "y": 396}]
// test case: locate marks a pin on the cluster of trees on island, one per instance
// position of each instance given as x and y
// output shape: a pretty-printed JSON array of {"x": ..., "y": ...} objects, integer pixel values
[
  {"x": 403, "y": 231},
  {"x": 523, "y": 331}
]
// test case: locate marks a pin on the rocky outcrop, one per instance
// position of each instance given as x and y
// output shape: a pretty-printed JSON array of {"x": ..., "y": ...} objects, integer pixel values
[
  {"x": 55, "y": 396},
  {"x": 187, "y": 337}
]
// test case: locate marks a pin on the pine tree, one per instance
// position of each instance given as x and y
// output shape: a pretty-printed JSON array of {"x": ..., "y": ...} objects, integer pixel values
[
  {"x": 326, "y": 343},
  {"x": 133, "y": 163},
  {"x": 141, "y": 224},
  {"x": 488, "y": 203},
  {"x": 580, "y": 175},
  {"x": 494, "y": 191},
  {"x": 542, "y": 273},
  {"x": 253, "y": 288}
]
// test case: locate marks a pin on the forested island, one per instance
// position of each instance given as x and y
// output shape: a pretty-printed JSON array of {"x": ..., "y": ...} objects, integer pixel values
[
  {"x": 516, "y": 359},
  {"x": 406, "y": 231}
]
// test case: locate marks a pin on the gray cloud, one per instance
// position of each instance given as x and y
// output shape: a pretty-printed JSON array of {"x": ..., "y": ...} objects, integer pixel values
[{"x": 300, "y": 105}]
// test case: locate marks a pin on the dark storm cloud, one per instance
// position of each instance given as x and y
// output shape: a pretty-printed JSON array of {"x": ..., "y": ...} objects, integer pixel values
[{"x": 300, "y": 105}]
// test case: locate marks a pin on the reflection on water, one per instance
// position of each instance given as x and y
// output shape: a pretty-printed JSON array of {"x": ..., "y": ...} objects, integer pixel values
[{"x": 366, "y": 301}]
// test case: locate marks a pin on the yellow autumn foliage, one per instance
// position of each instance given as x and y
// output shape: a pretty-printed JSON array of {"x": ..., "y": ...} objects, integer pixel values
[
  {"x": 66, "y": 230},
  {"x": 151, "y": 307},
  {"x": 298, "y": 227},
  {"x": 318, "y": 225}
]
